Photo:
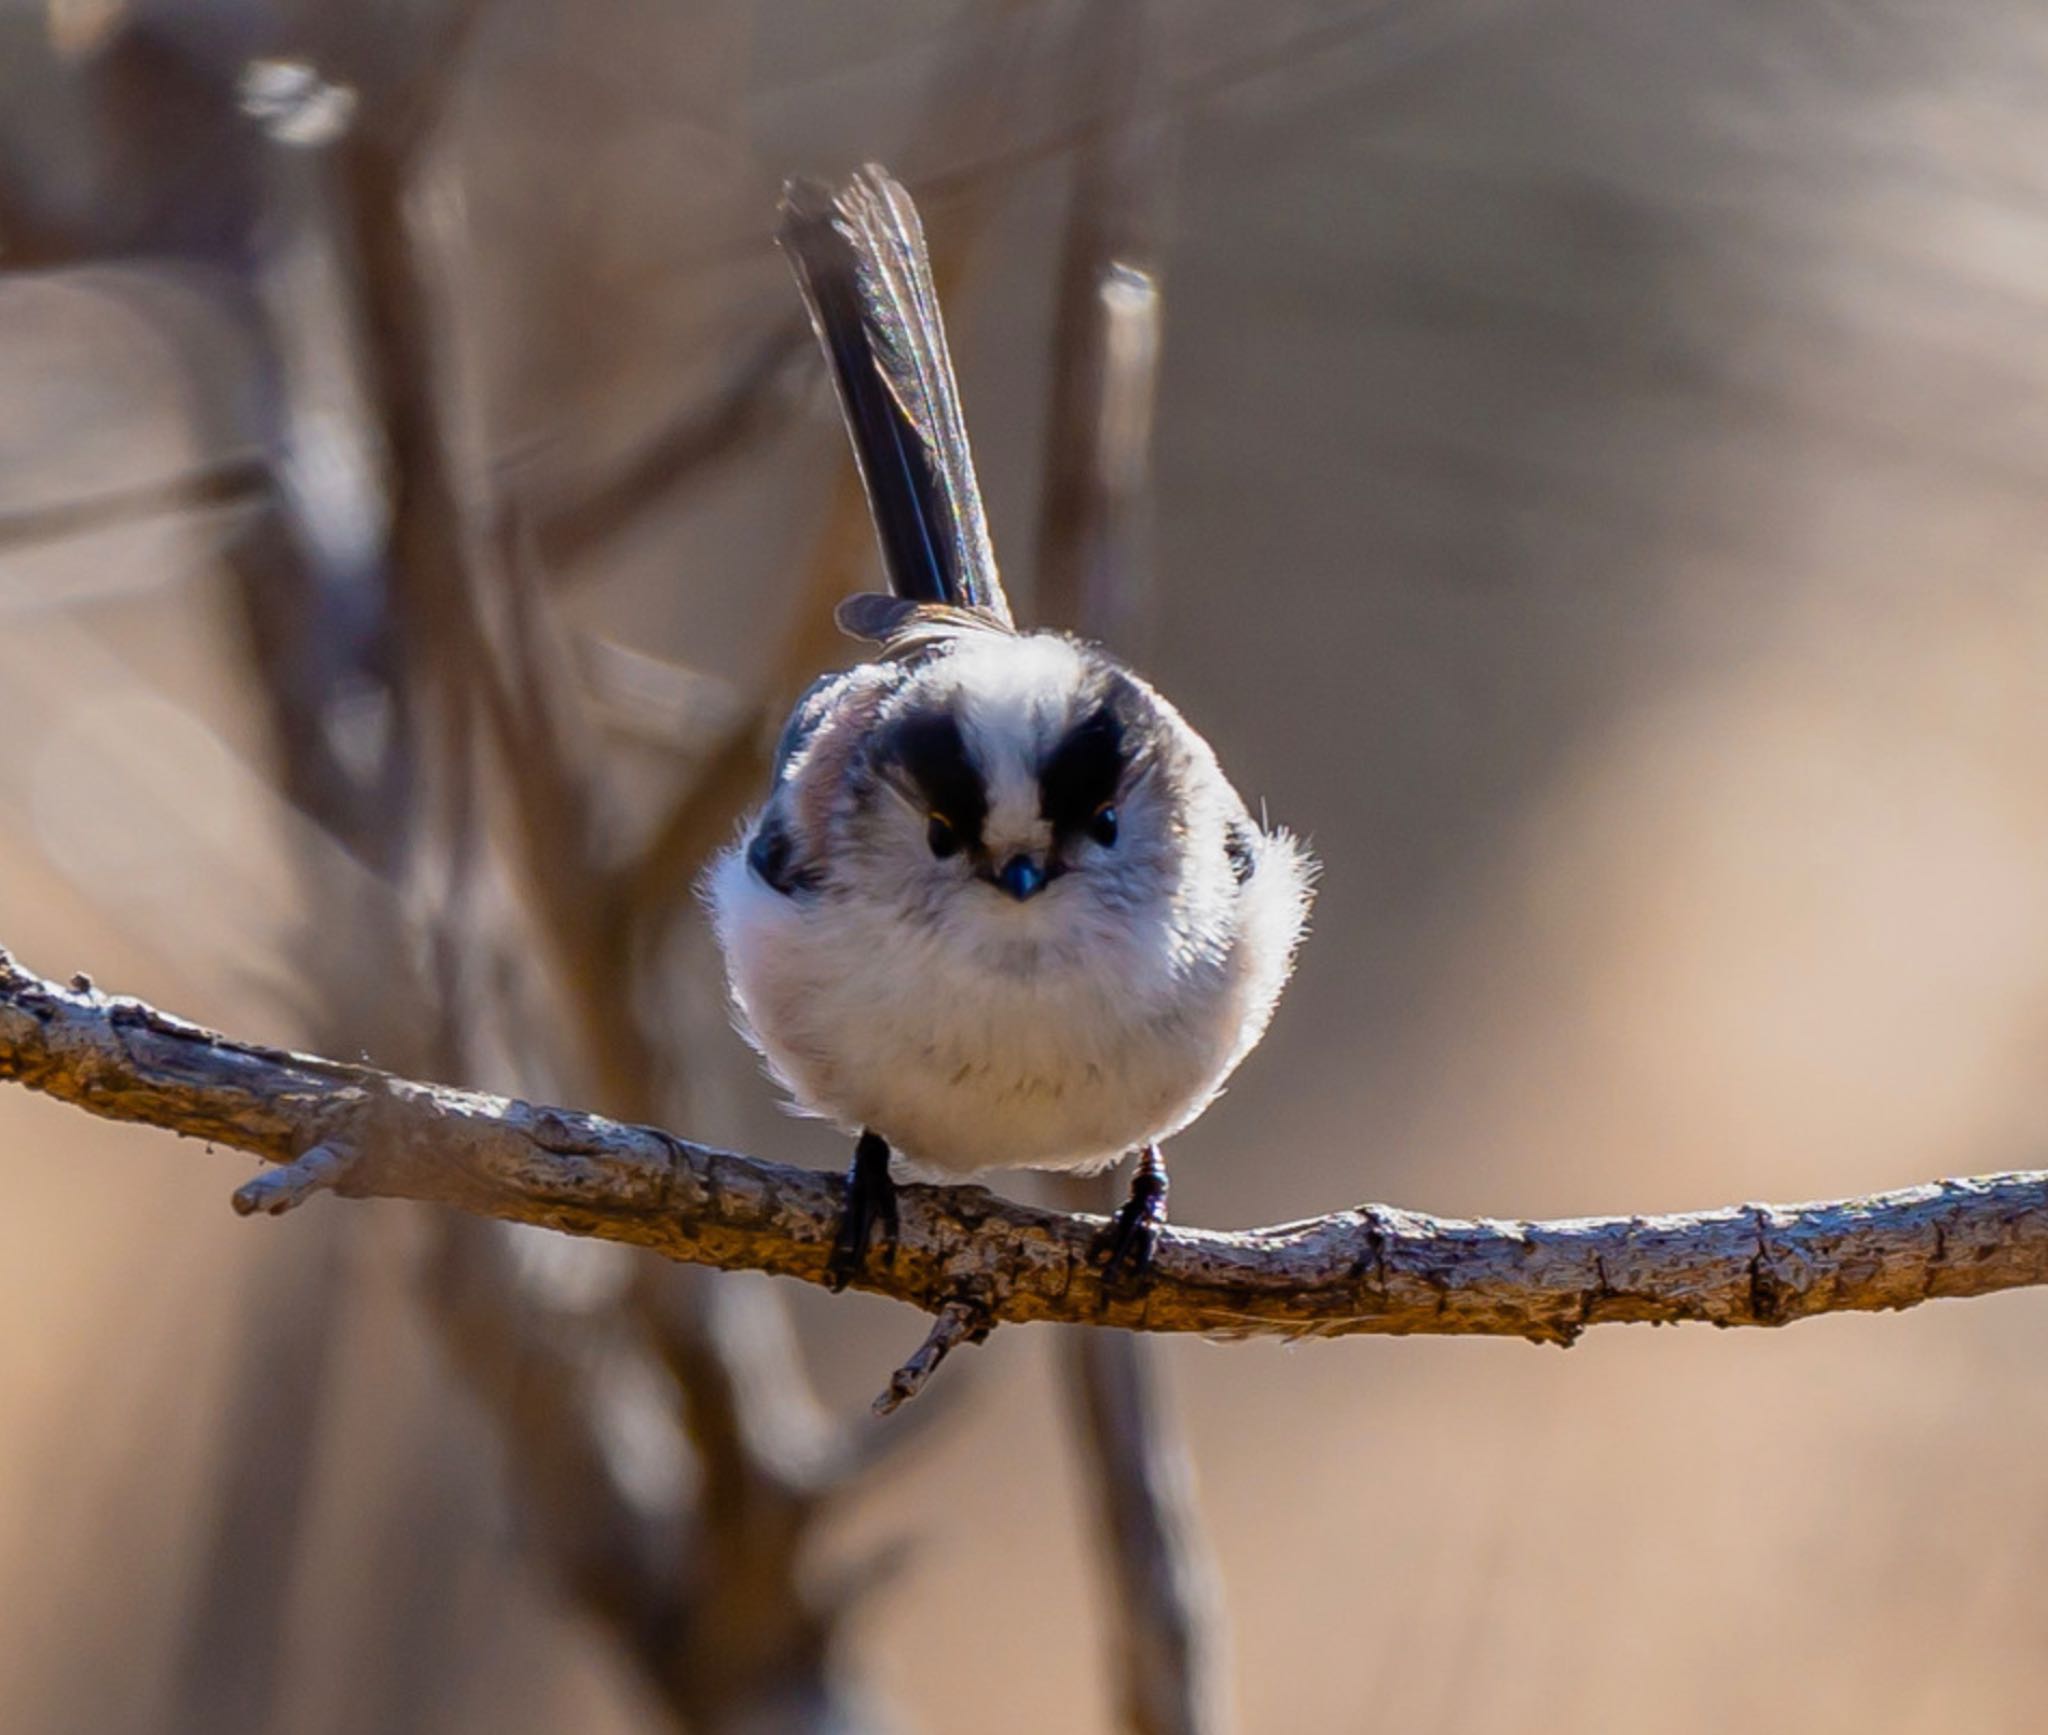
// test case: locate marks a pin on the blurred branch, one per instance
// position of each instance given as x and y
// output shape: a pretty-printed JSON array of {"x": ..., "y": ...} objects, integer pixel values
[
  {"x": 659, "y": 878},
  {"x": 714, "y": 1605},
  {"x": 767, "y": 1454},
  {"x": 231, "y": 1659},
  {"x": 233, "y": 481},
  {"x": 405, "y": 118},
  {"x": 1093, "y": 574},
  {"x": 1092, "y": 571},
  {"x": 739, "y": 1630},
  {"x": 602, "y": 1548},
  {"x": 978, "y": 83},
  {"x": 1246, "y": 45},
  {"x": 547, "y": 741},
  {"x": 1168, "y": 1673},
  {"x": 1376, "y": 1269},
  {"x": 696, "y": 823},
  {"x": 757, "y": 399}
]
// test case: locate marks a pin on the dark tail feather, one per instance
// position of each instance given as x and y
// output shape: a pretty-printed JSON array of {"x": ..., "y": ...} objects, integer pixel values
[{"x": 859, "y": 259}]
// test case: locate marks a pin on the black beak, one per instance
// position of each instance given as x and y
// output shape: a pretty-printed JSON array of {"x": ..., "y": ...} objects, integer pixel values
[{"x": 1021, "y": 877}]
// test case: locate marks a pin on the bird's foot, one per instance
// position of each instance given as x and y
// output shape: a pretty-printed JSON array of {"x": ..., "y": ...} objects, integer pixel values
[
  {"x": 870, "y": 1200},
  {"x": 1133, "y": 1234}
]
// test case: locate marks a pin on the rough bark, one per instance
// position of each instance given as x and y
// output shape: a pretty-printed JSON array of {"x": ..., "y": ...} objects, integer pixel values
[{"x": 1375, "y": 1269}]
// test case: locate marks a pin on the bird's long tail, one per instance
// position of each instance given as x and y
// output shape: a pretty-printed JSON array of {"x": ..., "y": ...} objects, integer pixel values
[{"x": 859, "y": 257}]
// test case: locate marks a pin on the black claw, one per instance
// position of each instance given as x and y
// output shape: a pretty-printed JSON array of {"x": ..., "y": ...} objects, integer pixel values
[
  {"x": 870, "y": 1200},
  {"x": 1132, "y": 1237}
]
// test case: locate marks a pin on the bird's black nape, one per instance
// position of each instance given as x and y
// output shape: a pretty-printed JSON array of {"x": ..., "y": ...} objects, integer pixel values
[{"x": 859, "y": 258}]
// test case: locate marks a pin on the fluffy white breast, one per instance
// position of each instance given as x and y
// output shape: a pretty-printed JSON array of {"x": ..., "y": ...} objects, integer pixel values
[
  {"x": 970, "y": 1045},
  {"x": 973, "y": 1031}
]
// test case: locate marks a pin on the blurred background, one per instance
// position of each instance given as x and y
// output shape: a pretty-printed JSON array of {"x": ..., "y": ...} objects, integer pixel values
[{"x": 1582, "y": 464}]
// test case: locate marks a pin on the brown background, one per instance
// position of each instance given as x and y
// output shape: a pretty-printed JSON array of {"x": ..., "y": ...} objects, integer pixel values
[{"x": 1598, "y": 498}]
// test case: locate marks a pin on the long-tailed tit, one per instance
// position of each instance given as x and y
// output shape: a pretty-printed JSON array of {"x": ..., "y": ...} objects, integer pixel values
[{"x": 1002, "y": 908}]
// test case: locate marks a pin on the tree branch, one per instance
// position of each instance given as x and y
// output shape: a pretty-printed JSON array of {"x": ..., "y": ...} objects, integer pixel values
[
  {"x": 1166, "y": 1649},
  {"x": 1167, "y": 1609},
  {"x": 1375, "y": 1269}
]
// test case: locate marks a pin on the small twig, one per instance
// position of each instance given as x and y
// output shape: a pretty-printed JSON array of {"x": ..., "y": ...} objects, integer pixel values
[
  {"x": 276, "y": 1191},
  {"x": 958, "y": 1322},
  {"x": 868, "y": 1452}
]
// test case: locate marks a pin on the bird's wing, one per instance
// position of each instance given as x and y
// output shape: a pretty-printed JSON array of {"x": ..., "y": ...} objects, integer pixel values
[{"x": 859, "y": 258}]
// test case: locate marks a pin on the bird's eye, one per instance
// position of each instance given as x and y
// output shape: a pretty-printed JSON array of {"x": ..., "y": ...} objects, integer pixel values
[
  {"x": 940, "y": 836},
  {"x": 1102, "y": 828}
]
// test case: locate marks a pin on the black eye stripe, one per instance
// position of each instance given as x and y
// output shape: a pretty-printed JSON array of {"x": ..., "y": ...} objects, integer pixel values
[
  {"x": 1084, "y": 771},
  {"x": 929, "y": 748}
]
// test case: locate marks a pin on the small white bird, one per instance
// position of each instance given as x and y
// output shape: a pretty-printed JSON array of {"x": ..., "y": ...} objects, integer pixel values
[{"x": 1002, "y": 908}]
